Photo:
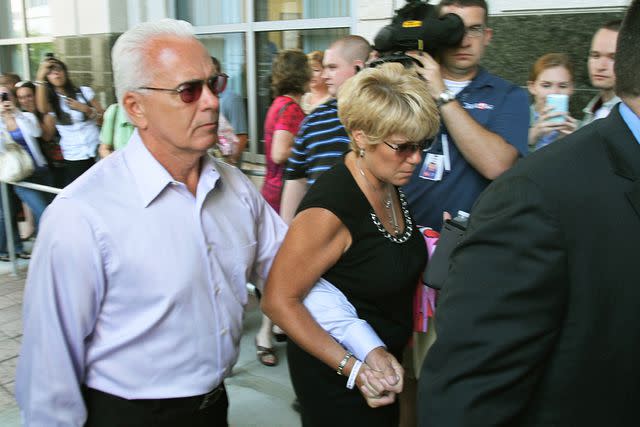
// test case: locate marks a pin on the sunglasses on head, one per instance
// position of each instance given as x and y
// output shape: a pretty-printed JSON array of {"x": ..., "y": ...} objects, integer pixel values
[
  {"x": 25, "y": 83},
  {"x": 56, "y": 67},
  {"x": 192, "y": 90},
  {"x": 409, "y": 147}
]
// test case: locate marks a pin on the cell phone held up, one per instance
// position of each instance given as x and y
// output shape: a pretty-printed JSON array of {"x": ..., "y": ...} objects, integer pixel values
[
  {"x": 438, "y": 266},
  {"x": 559, "y": 103},
  {"x": 4, "y": 96}
]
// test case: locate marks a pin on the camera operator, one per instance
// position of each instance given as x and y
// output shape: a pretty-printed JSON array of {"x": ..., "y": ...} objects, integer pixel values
[{"x": 485, "y": 121}]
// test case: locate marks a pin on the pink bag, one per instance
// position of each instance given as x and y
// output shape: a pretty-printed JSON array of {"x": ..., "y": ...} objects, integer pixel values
[{"x": 424, "y": 302}]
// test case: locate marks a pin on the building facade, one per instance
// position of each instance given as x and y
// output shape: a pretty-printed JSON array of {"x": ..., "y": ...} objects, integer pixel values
[{"x": 245, "y": 34}]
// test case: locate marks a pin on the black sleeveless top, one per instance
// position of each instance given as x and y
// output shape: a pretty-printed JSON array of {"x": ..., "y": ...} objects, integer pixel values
[{"x": 378, "y": 274}]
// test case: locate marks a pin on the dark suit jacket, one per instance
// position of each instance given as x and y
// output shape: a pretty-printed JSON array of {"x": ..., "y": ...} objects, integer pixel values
[{"x": 539, "y": 321}]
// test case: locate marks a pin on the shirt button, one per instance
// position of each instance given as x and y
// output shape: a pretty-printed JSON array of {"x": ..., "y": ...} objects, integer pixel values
[
  {"x": 217, "y": 290},
  {"x": 209, "y": 248},
  {"x": 224, "y": 331}
]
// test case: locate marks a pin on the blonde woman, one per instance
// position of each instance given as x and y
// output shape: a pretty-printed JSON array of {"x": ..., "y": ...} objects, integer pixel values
[{"x": 354, "y": 230}]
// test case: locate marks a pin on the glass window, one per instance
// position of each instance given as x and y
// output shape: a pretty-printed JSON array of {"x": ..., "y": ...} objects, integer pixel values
[
  {"x": 278, "y": 10},
  {"x": 11, "y": 60},
  {"x": 38, "y": 17},
  {"x": 36, "y": 55},
  {"x": 207, "y": 12},
  {"x": 268, "y": 44},
  {"x": 11, "y": 19}
]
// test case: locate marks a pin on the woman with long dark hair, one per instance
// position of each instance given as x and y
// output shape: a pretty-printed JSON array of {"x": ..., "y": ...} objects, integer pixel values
[
  {"x": 76, "y": 113},
  {"x": 26, "y": 97}
]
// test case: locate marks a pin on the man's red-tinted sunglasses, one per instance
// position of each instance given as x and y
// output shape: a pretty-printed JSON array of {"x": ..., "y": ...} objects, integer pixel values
[{"x": 192, "y": 90}]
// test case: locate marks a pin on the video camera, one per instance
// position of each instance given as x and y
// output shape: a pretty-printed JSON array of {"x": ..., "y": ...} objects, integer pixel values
[{"x": 417, "y": 27}]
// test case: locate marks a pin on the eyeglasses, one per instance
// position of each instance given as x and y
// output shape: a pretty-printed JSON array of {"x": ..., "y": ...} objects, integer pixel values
[
  {"x": 408, "y": 148},
  {"x": 192, "y": 90},
  {"x": 474, "y": 31}
]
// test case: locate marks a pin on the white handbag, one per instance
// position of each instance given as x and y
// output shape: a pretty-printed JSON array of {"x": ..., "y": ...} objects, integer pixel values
[{"x": 15, "y": 162}]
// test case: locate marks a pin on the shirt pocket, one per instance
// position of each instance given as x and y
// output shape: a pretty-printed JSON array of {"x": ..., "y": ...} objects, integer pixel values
[{"x": 240, "y": 261}]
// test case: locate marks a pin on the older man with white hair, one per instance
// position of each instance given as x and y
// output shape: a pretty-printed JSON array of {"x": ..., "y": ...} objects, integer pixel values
[{"x": 134, "y": 300}]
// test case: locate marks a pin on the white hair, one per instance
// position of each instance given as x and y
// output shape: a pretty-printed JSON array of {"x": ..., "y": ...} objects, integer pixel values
[{"x": 129, "y": 53}]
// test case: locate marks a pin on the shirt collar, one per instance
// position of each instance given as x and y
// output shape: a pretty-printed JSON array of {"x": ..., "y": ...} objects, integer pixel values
[
  {"x": 631, "y": 119},
  {"x": 151, "y": 178},
  {"x": 481, "y": 79}
]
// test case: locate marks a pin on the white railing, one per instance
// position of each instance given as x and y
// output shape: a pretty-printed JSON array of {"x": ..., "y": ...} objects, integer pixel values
[
  {"x": 53, "y": 190},
  {"x": 6, "y": 208}
]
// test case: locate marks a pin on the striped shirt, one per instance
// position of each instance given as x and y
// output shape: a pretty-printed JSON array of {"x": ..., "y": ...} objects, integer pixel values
[{"x": 320, "y": 143}]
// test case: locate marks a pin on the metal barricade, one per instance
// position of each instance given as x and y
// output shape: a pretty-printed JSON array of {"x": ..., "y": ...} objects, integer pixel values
[
  {"x": 7, "y": 215},
  {"x": 7, "y": 210},
  {"x": 53, "y": 190}
]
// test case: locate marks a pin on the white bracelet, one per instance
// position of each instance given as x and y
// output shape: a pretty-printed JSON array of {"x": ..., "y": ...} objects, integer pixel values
[{"x": 354, "y": 373}]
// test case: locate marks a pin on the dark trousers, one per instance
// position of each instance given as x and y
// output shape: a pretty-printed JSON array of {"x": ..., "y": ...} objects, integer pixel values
[
  {"x": 107, "y": 410},
  {"x": 74, "y": 168}
]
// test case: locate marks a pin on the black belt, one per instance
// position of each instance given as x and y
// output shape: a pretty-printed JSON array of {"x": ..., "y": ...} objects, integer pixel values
[
  {"x": 210, "y": 398},
  {"x": 192, "y": 402}
]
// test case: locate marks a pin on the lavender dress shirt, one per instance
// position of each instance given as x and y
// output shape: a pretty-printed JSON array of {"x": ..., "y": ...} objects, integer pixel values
[{"x": 137, "y": 287}]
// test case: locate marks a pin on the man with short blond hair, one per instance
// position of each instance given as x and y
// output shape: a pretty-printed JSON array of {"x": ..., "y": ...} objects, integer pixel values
[
  {"x": 602, "y": 57},
  {"x": 322, "y": 140}
]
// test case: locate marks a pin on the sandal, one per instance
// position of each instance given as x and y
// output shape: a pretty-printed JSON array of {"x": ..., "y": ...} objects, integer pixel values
[
  {"x": 5, "y": 258},
  {"x": 266, "y": 355},
  {"x": 24, "y": 255}
]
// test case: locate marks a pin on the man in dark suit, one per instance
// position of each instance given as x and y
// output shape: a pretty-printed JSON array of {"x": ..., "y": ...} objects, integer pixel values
[{"x": 539, "y": 321}]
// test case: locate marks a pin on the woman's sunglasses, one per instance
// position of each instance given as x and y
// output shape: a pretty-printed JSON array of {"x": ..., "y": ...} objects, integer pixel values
[
  {"x": 192, "y": 90},
  {"x": 409, "y": 147}
]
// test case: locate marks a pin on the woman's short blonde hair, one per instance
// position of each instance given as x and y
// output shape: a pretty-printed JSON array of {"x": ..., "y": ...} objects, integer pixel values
[{"x": 388, "y": 100}]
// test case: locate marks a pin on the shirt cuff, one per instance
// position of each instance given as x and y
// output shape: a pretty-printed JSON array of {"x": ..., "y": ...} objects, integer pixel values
[{"x": 360, "y": 339}]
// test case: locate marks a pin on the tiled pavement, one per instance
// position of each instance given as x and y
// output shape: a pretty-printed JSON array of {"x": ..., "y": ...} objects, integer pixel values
[
  {"x": 10, "y": 334},
  {"x": 258, "y": 395}
]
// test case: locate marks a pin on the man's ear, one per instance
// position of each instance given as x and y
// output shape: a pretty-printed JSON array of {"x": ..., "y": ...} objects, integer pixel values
[
  {"x": 488, "y": 35},
  {"x": 135, "y": 108}
]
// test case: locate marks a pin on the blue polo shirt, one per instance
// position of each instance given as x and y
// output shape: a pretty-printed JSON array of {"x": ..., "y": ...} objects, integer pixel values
[
  {"x": 500, "y": 107},
  {"x": 321, "y": 142}
]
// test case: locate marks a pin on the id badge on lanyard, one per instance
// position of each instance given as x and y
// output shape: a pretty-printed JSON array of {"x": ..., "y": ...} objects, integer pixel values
[{"x": 435, "y": 165}]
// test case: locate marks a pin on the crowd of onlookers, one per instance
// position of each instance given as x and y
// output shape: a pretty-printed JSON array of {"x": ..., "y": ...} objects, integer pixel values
[
  {"x": 74, "y": 130},
  {"x": 359, "y": 160}
]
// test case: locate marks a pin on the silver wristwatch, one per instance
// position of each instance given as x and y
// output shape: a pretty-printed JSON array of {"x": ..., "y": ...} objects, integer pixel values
[{"x": 445, "y": 97}]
